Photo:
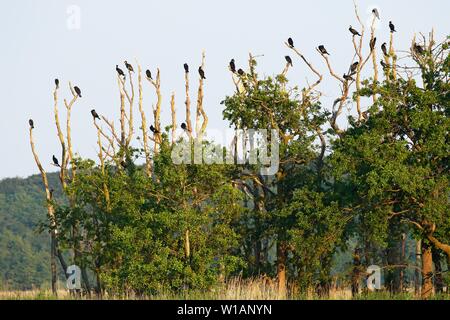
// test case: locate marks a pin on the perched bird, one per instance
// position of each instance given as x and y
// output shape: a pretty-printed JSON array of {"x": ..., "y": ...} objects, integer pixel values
[
  {"x": 241, "y": 72},
  {"x": 323, "y": 50},
  {"x": 384, "y": 49},
  {"x": 153, "y": 129},
  {"x": 95, "y": 114},
  {"x": 120, "y": 71},
  {"x": 186, "y": 68},
  {"x": 55, "y": 161},
  {"x": 384, "y": 64},
  {"x": 376, "y": 13},
  {"x": 129, "y": 66},
  {"x": 77, "y": 90},
  {"x": 201, "y": 72},
  {"x": 289, "y": 60},
  {"x": 354, "y": 32},
  {"x": 372, "y": 43},
  {"x": 353, "y": 67},
  {"x": 31, "y": 122},
  {"x": 291, "y": 42},
  {"x": 57, "y": 83},
  {"x": 392, "y": 27},
  {"x": 232, "y": 66},
  {"x": 184, "y": 126},
  {"x": 418, "y": 48},
  {"x": 348, "y": 77},
  {"x": 148, "y": 74}
]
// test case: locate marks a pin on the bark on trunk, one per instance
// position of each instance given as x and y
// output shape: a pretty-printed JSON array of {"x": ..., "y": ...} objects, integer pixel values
[
  {"x": 281, "y": 269},
  {"x": 418, "y": 274},
  {"x": 427, "y": 272}
]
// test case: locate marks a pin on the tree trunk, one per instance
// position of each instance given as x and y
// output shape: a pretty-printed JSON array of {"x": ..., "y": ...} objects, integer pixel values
[
  {"x": 418, "y": 274},
  {"x": 438, "y": 282},
  {"x": 427, "y": 271},
  {"x": 281, "y": 269},
  {"x": 356, "y": 272},
  {"x": 53, "y": 263}
]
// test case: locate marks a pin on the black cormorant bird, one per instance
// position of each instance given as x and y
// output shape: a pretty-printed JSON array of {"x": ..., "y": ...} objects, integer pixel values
[
  {"x": 291, "y": 42},
  {"x": 77, "y": 90},
  {"x": 289, "y": 60},
  {"x": 323, "y": 50},
  {"x": 95, "y": 114},
  {"x": 201, "y": 72},
  {"x": 354, "y": 32},
  {"x": 232, "y": 66}
]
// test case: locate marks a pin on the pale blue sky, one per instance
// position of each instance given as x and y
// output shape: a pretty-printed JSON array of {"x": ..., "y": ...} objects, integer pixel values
[{"x": 37, "y": 46}]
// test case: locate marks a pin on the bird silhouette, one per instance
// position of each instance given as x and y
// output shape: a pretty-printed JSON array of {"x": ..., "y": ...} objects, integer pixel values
[
  {"x": 241, "y": 72},
  {"x": 77, "y": 90},
  {"x": 323, "y": 50},
  {"x": 148, "y": 74},
  {"x": 384, "y": 49},
  {"x": 95, "y": 114},
  {"x": 291, "y": 42},
  {"x": 418, "y": 48},
  {"x": 153, "y": 129},
  {"x": 376, "y": 13},
  {"x": 232, "y": 66},
  {"x": 57, "y": 83},
  {"x": 384, "y": 64},
  {"x": 289, "y": 60},
  {"x": 354, "y": 32},
  {"x": 183, "y": 126},
  {"x": 129, "y": 66},
  {"x": 348, "y": 77},
  {"x": 55, "y": 161},
  {"x": 353, "y": 67},
  {"x": 186, "y": 68},
  {"x": 31, "y": 123},
  {"x": 392, "y": 27},
  {"x": 120, "y": 71},
  {"x": 372, "y": 43},
  {"x": 201, "y": 72}
]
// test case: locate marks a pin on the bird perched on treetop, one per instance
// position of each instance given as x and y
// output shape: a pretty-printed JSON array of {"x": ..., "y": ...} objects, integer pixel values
[
  {"x": 95, "y": 114},
  {"x": 354, "y": 32},
  {"x": 31, "y": 123},
  {"x": 186, "y": 68},
  {"x": 323, "y": 50},
  {"x": 241, "y": 72},
  {"x": 348, "y": 77},
  {"x": 384, "y": 65},
  {"x": 418, "y": 48},
  {"x": 55, "y": 161},
  {"x": 77, "y": 90},
  {"x": 232, "y": 66},
  {"x": 153, "y": 129},
  {"x": 57, "y": 83},
  {"x": 392, "y": 27},
  {"x": 289, "y": 60},
  {"x": 120, "y": 71},
  {"x": 372, "y": 43},
  {"x": 353, "y": 67},
  {"x": 129, "y": 66},
  {"x": 376, "y": 13},
  {"x": 201, "y": 72},
  {"x": 384, "y": 49},
  {"x": 183, "y": 126},
  {"x": 148, "y": 74},
  {"x": 291, "y": 42}
]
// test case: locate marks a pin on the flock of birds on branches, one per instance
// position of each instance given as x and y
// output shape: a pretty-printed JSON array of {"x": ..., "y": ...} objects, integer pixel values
[{"x": 232, "y": 66}]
